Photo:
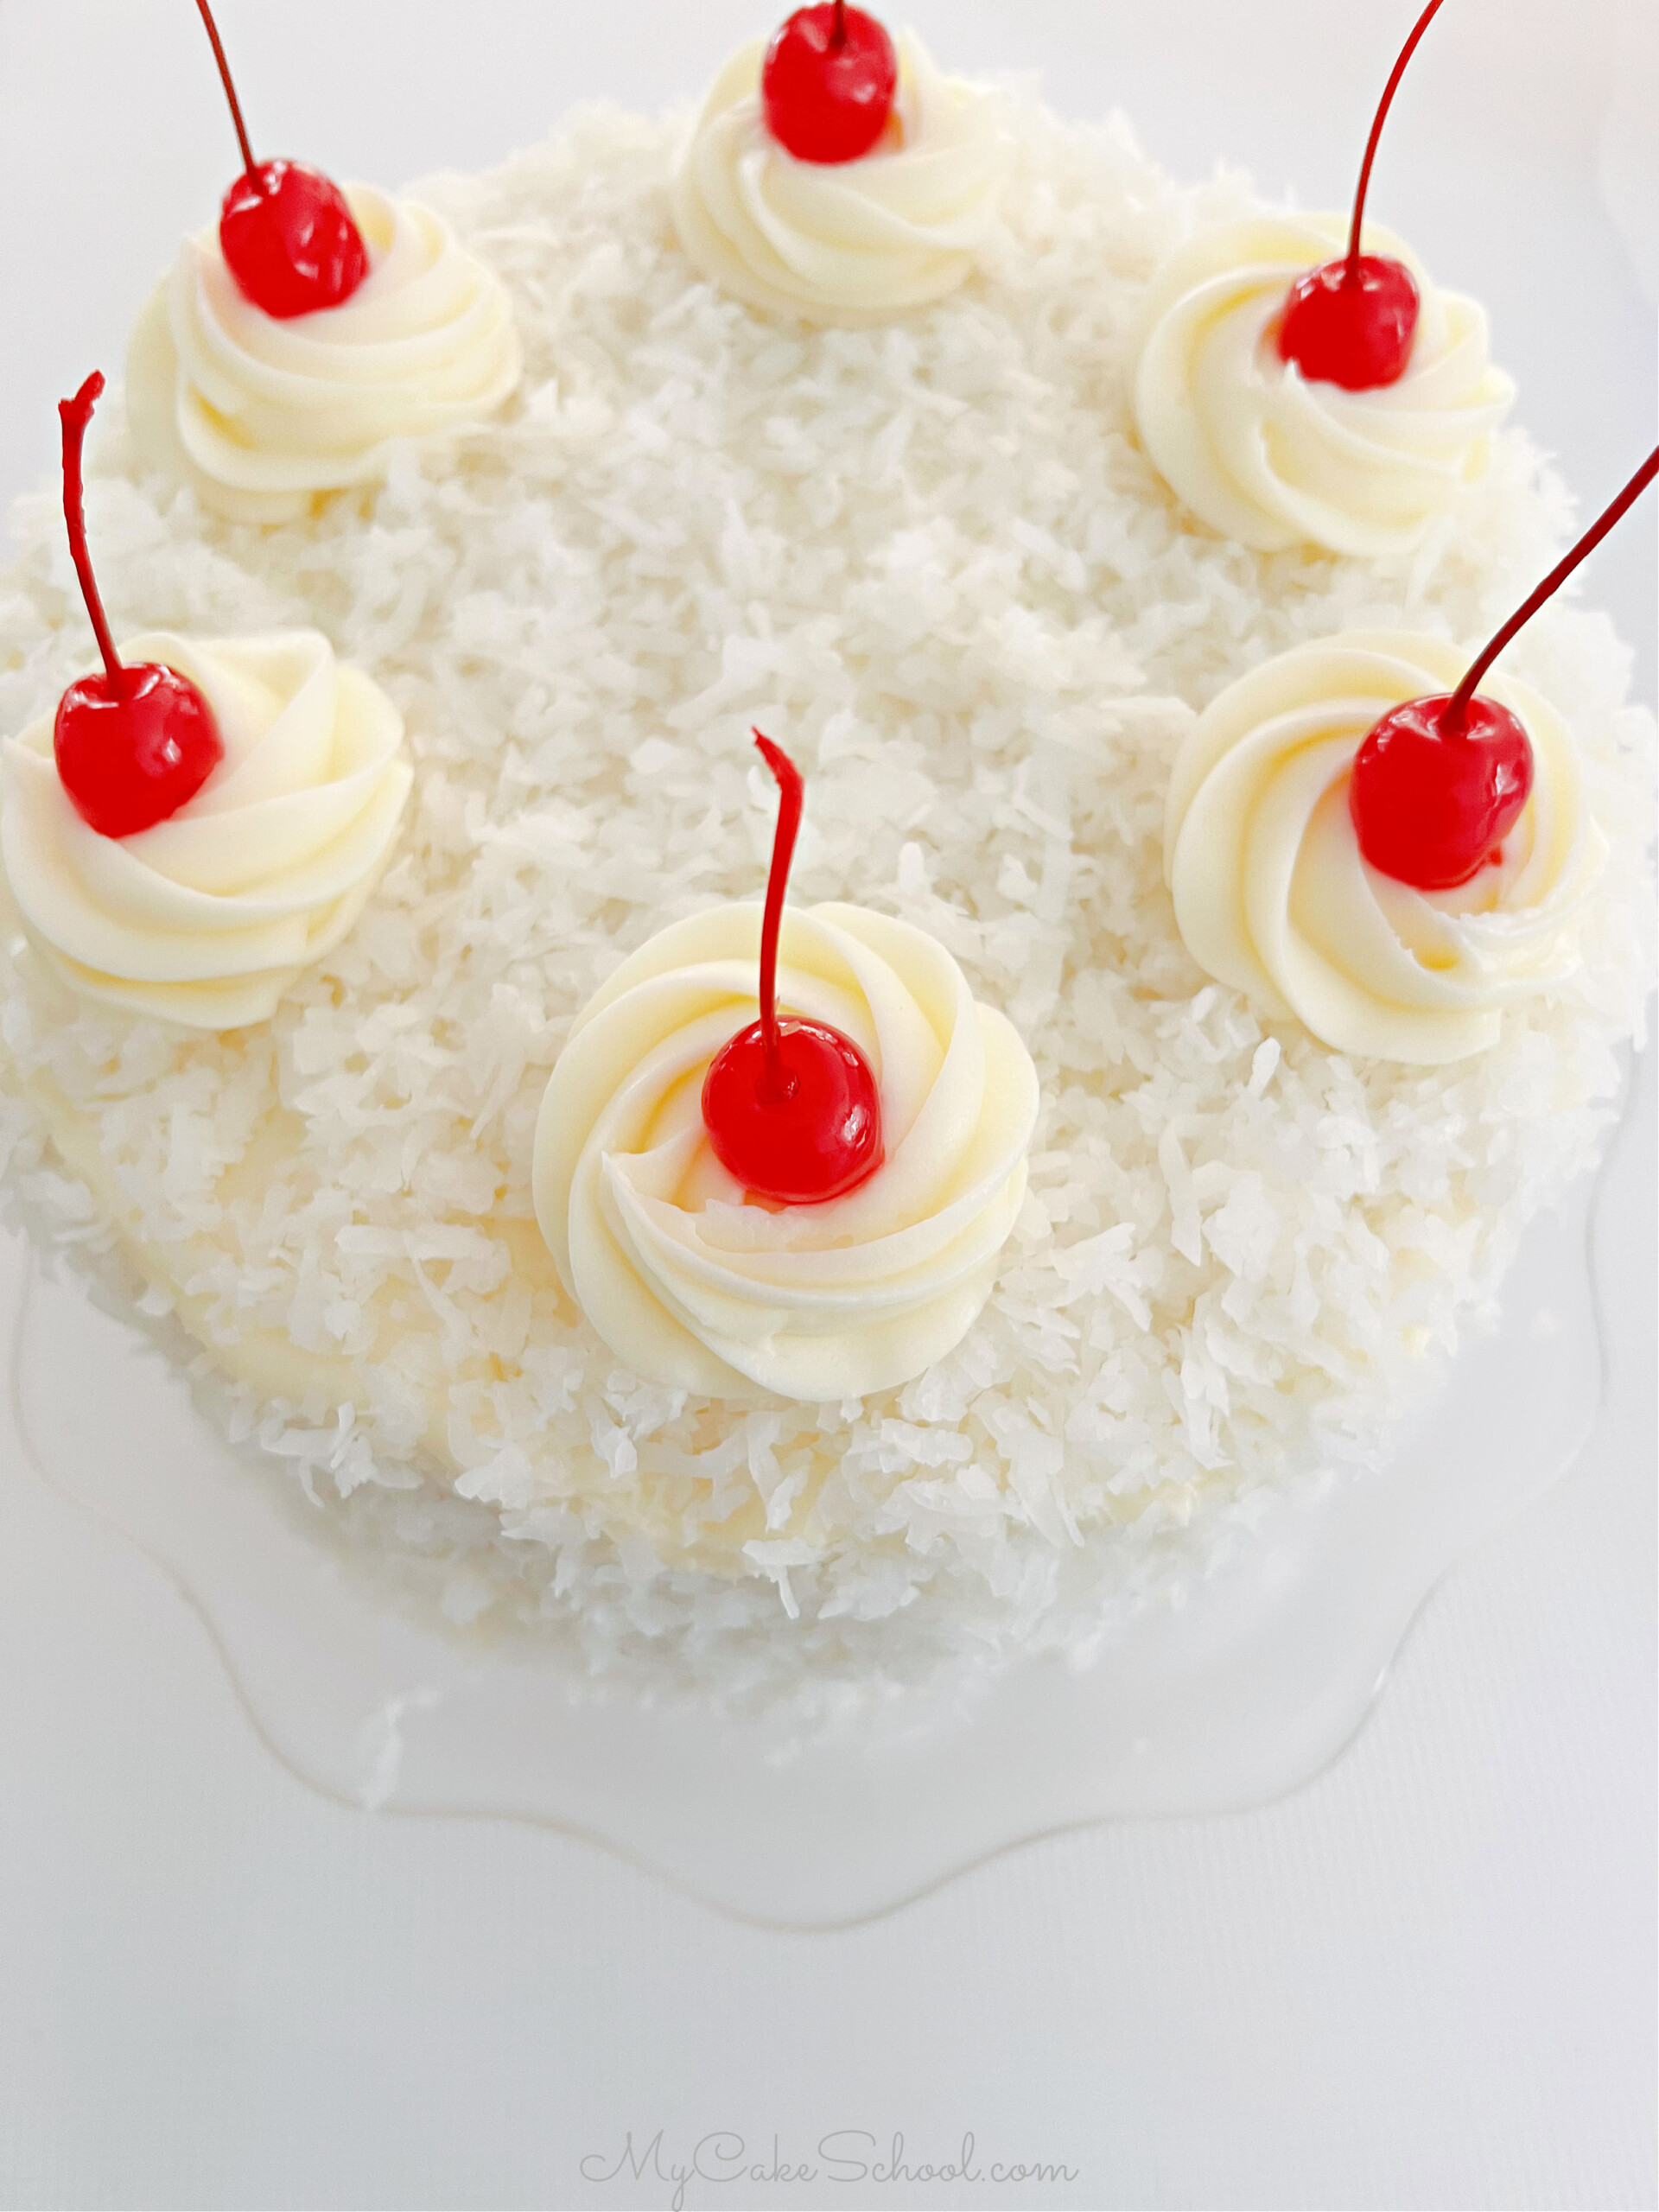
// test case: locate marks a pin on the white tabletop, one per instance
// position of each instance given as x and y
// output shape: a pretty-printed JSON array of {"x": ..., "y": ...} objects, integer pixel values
[{"x": 1426, "y": 1978}]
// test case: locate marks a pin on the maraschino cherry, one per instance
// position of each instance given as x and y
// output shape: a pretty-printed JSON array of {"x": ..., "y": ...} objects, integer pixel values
[
  {"x": 1350, "y": 323},
  {"x": 828, "y": 83},
  {"x": 790, "y": 1106},
  {"x": 133, "y": 744},
  {"x": 1438, "y": 782},
  {"x": 286, "y": 234}
]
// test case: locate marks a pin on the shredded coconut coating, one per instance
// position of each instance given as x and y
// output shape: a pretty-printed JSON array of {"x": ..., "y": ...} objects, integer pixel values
[{"x": 933, "y": 560}]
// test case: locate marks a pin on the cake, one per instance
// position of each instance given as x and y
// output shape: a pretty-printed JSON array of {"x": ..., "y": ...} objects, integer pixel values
[{"x": 925, "y": 532}]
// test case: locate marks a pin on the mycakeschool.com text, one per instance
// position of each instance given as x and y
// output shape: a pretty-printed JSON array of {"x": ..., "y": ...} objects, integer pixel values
[{"x": 846, "y": 2155}]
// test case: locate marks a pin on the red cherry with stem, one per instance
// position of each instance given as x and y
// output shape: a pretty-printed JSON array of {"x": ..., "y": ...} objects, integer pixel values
[
  {"x": 133, "y": 744},
  {"x": 828, "y": 83},
  {"x": 1432, "y": 799},
  {"x": 790, "y": 1106},
  {"x": 290, "y": 241},
  {"x": 1350, "y": 323},
  {"x": 288, "y": 236},
  {"x": 1438, "y": 782}
]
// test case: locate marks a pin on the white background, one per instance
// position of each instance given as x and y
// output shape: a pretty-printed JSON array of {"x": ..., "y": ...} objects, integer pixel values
[{"x": 1426, "y": 1978}]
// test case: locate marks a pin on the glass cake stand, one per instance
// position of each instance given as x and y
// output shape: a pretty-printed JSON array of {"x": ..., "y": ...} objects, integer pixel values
[{"x": 1252, "y": 1686}]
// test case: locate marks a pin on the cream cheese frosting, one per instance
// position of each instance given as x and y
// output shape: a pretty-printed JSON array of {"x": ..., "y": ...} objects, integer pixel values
[
  {"x": 1274, "y": 897},
  {"x": 262, "y": 415},
  {"x": 700, "y": 1289},
  {"x": 1271, "y": 457},
  {"x": 207, "y": 917},
  {"x": 847, "y": 242}
]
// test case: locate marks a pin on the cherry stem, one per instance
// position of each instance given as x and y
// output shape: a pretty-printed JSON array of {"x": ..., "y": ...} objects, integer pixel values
[
  {"x": 76, "y": 414},
  {"x": 230, "y": 89},
  {"x": 1389, "y": 90},
  {"x": 838, "y": 29},
  {"x": 1455, "y": 711},
  {"x": 790, "y": 789}
]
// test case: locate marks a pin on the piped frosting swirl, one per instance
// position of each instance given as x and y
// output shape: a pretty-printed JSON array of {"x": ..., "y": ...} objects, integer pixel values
[
  {"x": 1274, "y": 897},
  {"x": 207, "y": 917},
  {"x": 844, "y": 242},
  {"x": 1272, "y": 458},
  {"x": 697, "y": 1287},
  {"x": 262, "y": 415}
]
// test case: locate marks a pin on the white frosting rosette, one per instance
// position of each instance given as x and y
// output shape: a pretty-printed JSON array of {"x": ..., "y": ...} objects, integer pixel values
[
  {"x": 844, "y": 242},
  {"x": 698, "y": 1289},
  {"x": 261, "y": 414},
  {"x": 1273, "y": 458},
  {"x": 1274, "y": 897},
  {"x": 207, "y": 917}
]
